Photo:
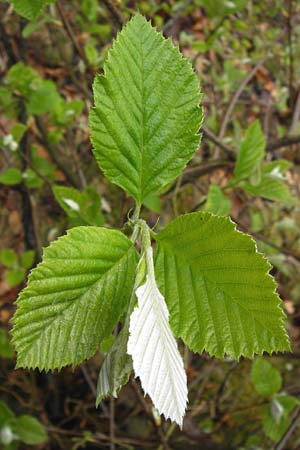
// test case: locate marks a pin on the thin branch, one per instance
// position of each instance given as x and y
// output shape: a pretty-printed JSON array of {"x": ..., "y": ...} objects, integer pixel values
[
  {"x": 170, "y": 23},
  {"x": 7, "y": 45},
  {"x": 209, "y": 135},
  {"x": 290, "y": 46},
  {"x": 283, "y": 142},
  {"x": 30, "y": 234},
  {"x": 262, "y": 238},
  {"x": 115, "y": 13},
  {"x": 202, "y": 169},
  {"x": 69, "y": 31},
  {"x": 112, "y": 423},
  {"x": 222, "y": 388},
  {"x": 53, "y": 154},
  {"x": 88, "y": 380},
  {"x": 288, "y": 434},
  {"x": 149, "y": 414},
  {"x": 240, "y": 89},
  {"x": 296, "y": 115},
  {"x": 237, "y": 95}
]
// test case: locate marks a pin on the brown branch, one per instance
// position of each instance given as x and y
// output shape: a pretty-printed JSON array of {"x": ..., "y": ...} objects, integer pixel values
[
  {"x": 296, "y": 115},
  {"x": 209, "y": 135},
  {"x": 176, "y": 16},
  {"x": 53, "y": 154},
  {"x": 115, "y": 13},
  {"x": 30, "y": 235},
  {"x": 7, "y": 45},
  {"x": 262, "y": 238},
  {"x": 273, "y": 145},
  {"x": 288, "y": 434},
  {"x": 283, "y": 142},
  {"x": 241, "y": 87},
  {"x": 204, "y": 168},
  {"x": 290, "y": 46},
  {"x": 112, "y": 423},
  {"x": 237, "y": 95},
  {"x": 69, "y": 31},
  {"x": 141, "y": 399}
]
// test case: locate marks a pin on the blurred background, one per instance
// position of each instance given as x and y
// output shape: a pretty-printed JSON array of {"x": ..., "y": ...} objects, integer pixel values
[{"x": 247, "y": 57}]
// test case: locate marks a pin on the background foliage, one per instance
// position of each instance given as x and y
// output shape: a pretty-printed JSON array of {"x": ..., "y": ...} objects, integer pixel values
[{"x": 247, "y": 56}]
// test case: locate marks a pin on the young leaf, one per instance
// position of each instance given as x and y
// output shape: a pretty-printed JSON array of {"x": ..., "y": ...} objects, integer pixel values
[
  {"x": 270, "y": 188},
  {"x": 217, "y": 288},
  {"x": 275, "y": 425},
  {"x": 251, "y": 153},
  {"x": 43, "y": 98},
  {"x": 14, "y": 276},
  {"x": 29, "y": 430},
  {"x": 6, "y": 349},
  {"x": 156, "y": 359},
  {"x": 146, "y": 114},
  {"x": 5, "y": 413},
  {"x": 8, "y": 257},
  {"x": 11, "y": 176},
  {"x": 279, "y": 166},
  {"x": 29, "y": 8},
  {"x": 116, "y": 368},
  {"x": 27, "y": 259},
  {"x": 84, "y": 206},
  {"x": 217, "y": 202},
  {"x": 74, "y": 297},
  {"x": 266, "y": 378}
]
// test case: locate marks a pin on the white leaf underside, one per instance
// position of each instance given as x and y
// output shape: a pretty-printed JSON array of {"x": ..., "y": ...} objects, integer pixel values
[{"x": 156, "y": 359}]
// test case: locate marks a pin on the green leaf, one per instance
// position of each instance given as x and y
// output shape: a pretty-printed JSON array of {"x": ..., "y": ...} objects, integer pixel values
[
  {"x": 221, "y": 8},
  {"x": 276, "y": 418},
  {"x": 92, "y": 54},
  {"x": 30, "y": 430},
  {"x": 21, "y": 78},
  {"x": 43, "y": 98},
  {"x": 251, "y": 153},
  {"x": 153, "y": 203},
  {"x": 116, "y": 368},
  {"x": 6, "y": 413},
  {"x": 6, "y": 350},
  {"x": 270, "y": 188},
  {"x": 42, "y": 165},
  {"x": 6, "y": 418},
  {"x": 8, "y": 103},
  {"x": 29, "y": 8},
  {"x": 14, "y": 276},
  {"x": 266, "y": 378},
  {"x": 74, "y": 298},
  {"x": 8, "y": 257},
  {"x": 69, "y": 199},
  {"x": 17, "y": 131},
  {"x": 219, "y": 293},
  {"x": 146, "y": 114},
  {"x": 11, "y": 176},
  {"x": 31, "y": 179},
  {"x": 65, "y": 112},
  {"x": 217, "y": 202},
  {"x": 84, "y": 206},
  {"x": 279, "y": 165},
  {"x": 27, "y": 259}
]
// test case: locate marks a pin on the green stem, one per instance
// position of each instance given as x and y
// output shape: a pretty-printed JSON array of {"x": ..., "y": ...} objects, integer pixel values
[
  {"x": 145, "y": 235},
  {"x": 135, "y": 221}
]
